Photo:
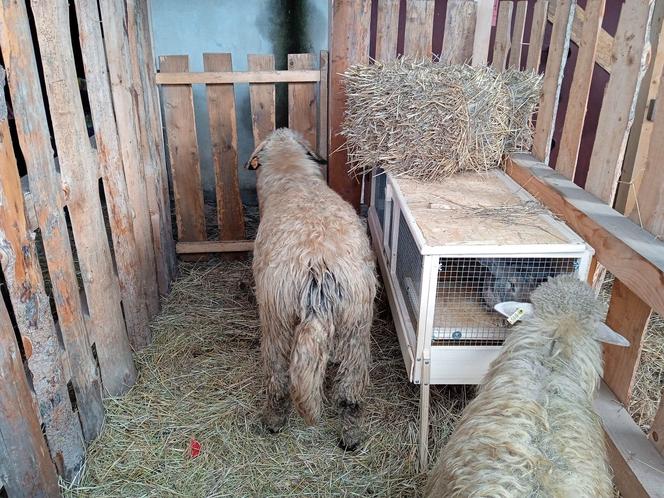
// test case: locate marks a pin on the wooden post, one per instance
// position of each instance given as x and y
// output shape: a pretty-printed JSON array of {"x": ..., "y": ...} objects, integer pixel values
[
  {"x": 502, "y": 42},
  {"x": 349, "y": 44}
]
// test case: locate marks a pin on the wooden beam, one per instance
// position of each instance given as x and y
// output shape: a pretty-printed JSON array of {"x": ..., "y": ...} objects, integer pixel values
[
  {"x": 211, "y": 246},
  {"x": 631, "y": 253},
  {"x": 637, "y": 466},
  {"x": 215, "y": 77},
  {"x": 656, "y": 434}
]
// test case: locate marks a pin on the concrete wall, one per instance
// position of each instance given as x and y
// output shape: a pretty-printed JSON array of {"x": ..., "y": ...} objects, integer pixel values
[{"x": 240, "y": 27}]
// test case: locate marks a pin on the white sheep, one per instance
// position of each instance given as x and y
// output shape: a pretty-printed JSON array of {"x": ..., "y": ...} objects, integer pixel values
[
  {"x": 531, "y": 430},
  {"x": 315, "y": 287}
]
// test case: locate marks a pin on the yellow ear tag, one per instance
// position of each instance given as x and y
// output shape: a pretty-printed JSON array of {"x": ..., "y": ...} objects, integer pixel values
[{"x": 516, "y": 316}]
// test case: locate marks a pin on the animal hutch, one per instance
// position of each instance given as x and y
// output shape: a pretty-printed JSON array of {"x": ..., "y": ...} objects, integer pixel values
[{"x": 86, "y": 240}]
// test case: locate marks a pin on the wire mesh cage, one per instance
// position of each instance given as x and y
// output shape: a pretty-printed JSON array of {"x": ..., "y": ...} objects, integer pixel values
[{"x": 409, "y": 269}]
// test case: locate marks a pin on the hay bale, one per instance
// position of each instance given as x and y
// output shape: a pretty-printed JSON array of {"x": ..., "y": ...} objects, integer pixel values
[{"x": 427, "y": 120}]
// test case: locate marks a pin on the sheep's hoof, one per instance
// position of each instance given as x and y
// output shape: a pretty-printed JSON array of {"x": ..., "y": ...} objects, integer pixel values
[
  {"x": 350, "y": 440},
  {"x": 274, "y": 423}
]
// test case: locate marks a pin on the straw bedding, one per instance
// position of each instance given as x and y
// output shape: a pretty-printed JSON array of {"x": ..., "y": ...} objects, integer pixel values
[{"x": 428, "y": 120}]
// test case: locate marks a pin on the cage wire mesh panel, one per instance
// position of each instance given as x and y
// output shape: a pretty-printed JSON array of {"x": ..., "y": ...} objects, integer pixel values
[
  {"x": 409, "y": 269},
  {"x": 380, "y": 184},
  {"x": 468, "y": 289}
]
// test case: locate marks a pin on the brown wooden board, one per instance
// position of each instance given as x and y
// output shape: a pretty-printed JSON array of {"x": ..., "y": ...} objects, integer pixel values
[
  {"x": 260, "y": 76},
  {"x": 482, "y": 42},
  {"x": 418, "y": 37},
  {"x": 537, "y": 35},
  {"x": 459, "y": 33},
  {"x": 630, "y": 50},
  {"x": 223, "y": 131},
  {"x": 322, "y": 106},
  {"x": 115, "y": 186},
  {"x": 262, "y": 99},
  {"x": 656, "y": 434},
  {"x": 126, "y": 115},
  {"x": 501, "y": 46},
  {"x": 75, "y": 155},
  {"x": 350, "y": 21},
  {"x": 178, "y": 104},
  {"x": 25, "y": 465},
  {"x": 517, "y": 34},
  {"x": 387, "y": 29},
  {"x": 210, "y": 246},
  {"x": 61, "y": 425},
  {"x": 578, "y": 98},
  {"x": 302, "y": 99}
]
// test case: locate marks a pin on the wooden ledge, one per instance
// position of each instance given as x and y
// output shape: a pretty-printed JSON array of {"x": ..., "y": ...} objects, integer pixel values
[
  {"x": 628, "y": 251},
  {"x": 213, "y": 246},
  {"x": 208, "y": 77}
]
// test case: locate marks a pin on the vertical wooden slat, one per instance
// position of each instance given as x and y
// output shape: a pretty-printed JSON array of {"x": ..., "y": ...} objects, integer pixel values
[
  {"x": 223, "y": 132},
  {"x": 183, "y": 152},
  {"x": 25, "y": 464},
  {"x": 630, "y": 51},
  {"x": 115, "y": 186},
  {"x": 387, "y": 29},
  {"x": 322, "y": 104},
  {"x": 484, "y": 20},
  {"x": 656, "y": 434},
  {"x": 578, "y": 97},
  {"x": 349, "y": 44},
  {"x": 75, "y": 157},
  {"x": 302, "y": 99},
  {"x": 61, "y": 425},
  {"x": 501, "y": 46},
  {"x": 126, "y": 115},
  {"x": 459, "y": 34},
  {"x": 537, "y": 34},
  {"x": 628, "y": 316},
  {"x": 262, "y": 98},
  {"x": 418, "y": 37},
  {"x": 553, "y": 78},
  {"x": 517, "y": 35}
]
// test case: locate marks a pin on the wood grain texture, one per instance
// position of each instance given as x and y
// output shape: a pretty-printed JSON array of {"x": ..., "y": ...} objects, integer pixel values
[
  {"x": 656, "y": 433},
  {"x": 628, "y": 315},
  {"x": 553, "y": 77},
  {"x": 115, "y": 186},
  {"x": 459, "y": 33},
  {"x": 262, "y": 99},
  {"x": 323, "y": 101},
  {"x": 537, "y": 29},
  {"x": 212, "y": 246},
  {"x": 262, "y": 76},
  {"x": 418, "y": 37},
  {"x": 75, "y": 154},
  {"x": 578, "y": 97},
  {"x": 629, "y": 252},
  {"x": 517, "y": 34},
  {"x": 223, "y": 132},
  {"x": 183, "y": 152},
  {"x": 118, "y": 58},
  {"x": 62, "y": 428},
  {"x": 25, "y": 465},
  {"x": 349, "y": 44},
  {"x": 302, "y": 99},
  {"x": 387, "y": 29},
  {"x": 484, "y": 19},
  {"x": 503, "y": 40},
  {"x": 630, "y": 53}
]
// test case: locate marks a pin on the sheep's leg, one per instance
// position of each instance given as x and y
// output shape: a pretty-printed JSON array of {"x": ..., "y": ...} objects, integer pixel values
[{"x": 275, "y": 349}]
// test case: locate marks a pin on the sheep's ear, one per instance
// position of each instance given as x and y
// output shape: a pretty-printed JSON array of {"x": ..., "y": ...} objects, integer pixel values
[
  {"x": 253, "y": 162},
  {"x": 513, "y": 311},
  {"x": 603, "y": 333},
  {"x": 311, "y": 154}
]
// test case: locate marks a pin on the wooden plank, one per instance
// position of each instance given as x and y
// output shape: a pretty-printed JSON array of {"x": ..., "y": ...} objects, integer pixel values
[
  {"x": 638, "y": 144},
  {"x": 75, "y": 154},
  {"x": 61, "y": 425},
  {"x": 553, "y": 78},
  {"x": 350, "y": 21},
  {"x": 115, "y": 186},
  {"x": 262, "y": 99},
  {"x": 637, "y": 466},
  {"x": 628, "y": 315},
  {"x": 459, "y": 33},
  {"x": 656, "y": 434},
  {"x": 517, "y": 34},
  {"x": 418, "y": 38},
  {"x": 604, "y": 44},
  {"x": 302, "y": 99},
  {"x": 212, "y": 246},
  {"x": 630, "y": 53},
  {"x": 118, "y": 59},
  {"x": 387, "y": 29},
  {"x": 631, "y": 253},
  {"x": 253, "y": 76},
  {"x": 578, "y": 97},
  {"x": 25, "y": 465},
  {"x": 484, "y": 19},
  {"x": 537, "y": 35},
  {"x": 183, "y": 152},
  {"x": 223, "y": 131},
  {"x": 501, "y": 45},
  {"x": 322, "y": 105}
]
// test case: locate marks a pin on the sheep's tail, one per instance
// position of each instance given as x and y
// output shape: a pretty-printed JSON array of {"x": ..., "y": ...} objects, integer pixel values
[{"x": 311, "y": 346}]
